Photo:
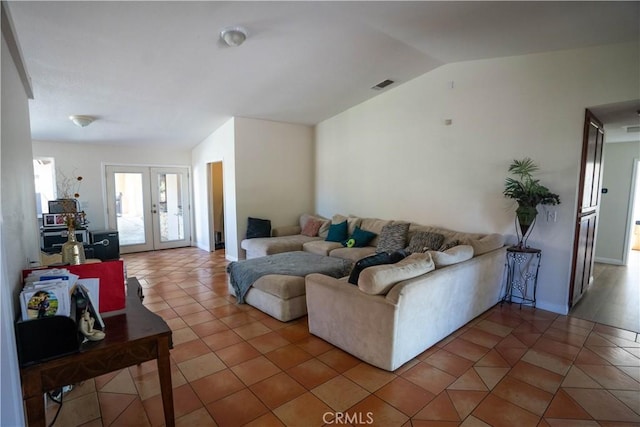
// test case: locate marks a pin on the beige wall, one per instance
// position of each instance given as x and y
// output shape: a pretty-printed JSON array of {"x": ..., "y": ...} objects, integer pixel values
[
  {"x": 274, "y": 171},
  {"x": 268, "y": 173},
  {"x": 88, "y": 160},
  {"x": 613, "y": 230},
  {"x": 394, "y": 157},
  {"x": 217, "y": 147},
  {"x": 18, "y": 226}
]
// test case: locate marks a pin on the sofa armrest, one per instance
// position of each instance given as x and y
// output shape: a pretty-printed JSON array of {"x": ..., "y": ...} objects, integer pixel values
[
  {"x": 286, "y": 230},
  {"x": 361, "y": 324}
]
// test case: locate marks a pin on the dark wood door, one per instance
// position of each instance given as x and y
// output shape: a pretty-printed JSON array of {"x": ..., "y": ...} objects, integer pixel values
[{"x": 588, "y": 207}]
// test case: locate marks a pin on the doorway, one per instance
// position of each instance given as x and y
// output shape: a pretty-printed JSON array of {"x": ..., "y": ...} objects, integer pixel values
[
  {"x": 216, "y": 205},
  {"x": 149, "y": 206}
]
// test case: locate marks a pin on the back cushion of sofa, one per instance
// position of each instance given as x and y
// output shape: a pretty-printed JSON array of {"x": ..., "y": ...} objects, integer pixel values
[
  {"x": 452, "y": 256},
  {"x": 460, "y": 237},
  {"x": 487, "y": 243},
  {"x": 379, "y": 279},
  {"x": 374, "y": 225}
]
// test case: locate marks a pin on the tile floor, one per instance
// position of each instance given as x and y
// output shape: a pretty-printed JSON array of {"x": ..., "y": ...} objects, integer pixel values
[
  {"x": 608, "y": 298},
  {"x": 234, "y": 366}
]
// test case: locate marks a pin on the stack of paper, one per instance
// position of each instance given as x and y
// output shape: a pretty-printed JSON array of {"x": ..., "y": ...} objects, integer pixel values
[{"x": 51, "y": 282}]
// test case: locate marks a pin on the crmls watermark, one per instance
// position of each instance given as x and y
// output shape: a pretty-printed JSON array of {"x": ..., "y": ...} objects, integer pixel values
[{"x": 355, "y": 418}]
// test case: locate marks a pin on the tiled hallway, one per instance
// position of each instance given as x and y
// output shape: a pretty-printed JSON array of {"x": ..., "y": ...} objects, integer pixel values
[{"x": 234, "y": 366}]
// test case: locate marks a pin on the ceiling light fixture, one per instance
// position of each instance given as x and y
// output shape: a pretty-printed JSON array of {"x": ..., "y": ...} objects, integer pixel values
[
  {"x": 233, "y": 36},
  {"x": 81, "y": 121}
]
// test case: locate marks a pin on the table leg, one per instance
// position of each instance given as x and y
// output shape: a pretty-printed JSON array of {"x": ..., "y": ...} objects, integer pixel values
[
  {"x": 164, "y": 371},
  {"x": 35, "y": 411}
]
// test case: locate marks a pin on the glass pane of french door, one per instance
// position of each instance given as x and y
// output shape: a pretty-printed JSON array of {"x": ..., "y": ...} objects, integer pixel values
[
  {"x": 129, "y": 207},
  {"x": 149, "y": 207},
  {"x": 170, "y": 201}
]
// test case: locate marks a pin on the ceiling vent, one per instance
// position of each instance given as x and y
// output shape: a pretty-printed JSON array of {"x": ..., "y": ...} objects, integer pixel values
[
  {"x": 382, "y": 84},
  {"x": 632, "y": 129}
]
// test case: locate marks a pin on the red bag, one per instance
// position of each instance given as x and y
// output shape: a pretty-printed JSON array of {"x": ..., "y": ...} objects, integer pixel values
[{"x": 112, "y": 281}]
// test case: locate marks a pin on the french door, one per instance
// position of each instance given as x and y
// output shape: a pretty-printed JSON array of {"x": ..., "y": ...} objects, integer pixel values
[{"x": 149, "y": 206}]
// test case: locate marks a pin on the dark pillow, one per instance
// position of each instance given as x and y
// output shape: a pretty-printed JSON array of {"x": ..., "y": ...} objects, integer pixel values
[
  {"x": 257, "y": 227},
  {"x": 338, "y": 232},
  {"x": 393, "y": 237},
  {"x": 359, "y": 239},
  {"x": 424, "y": 241},
  {"x": 377, "y": 259}
]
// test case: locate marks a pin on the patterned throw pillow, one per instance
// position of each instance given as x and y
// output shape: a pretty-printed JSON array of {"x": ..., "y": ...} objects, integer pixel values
[
  {"x": 393, "y": 237},
  {"x": 449, "y": 245},
  {"x": 424, "y": 241},
  {"x": 311, "y": 227}
]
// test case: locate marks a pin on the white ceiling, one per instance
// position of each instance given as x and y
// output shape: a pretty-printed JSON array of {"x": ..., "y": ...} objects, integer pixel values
[{"x": 156, "y": 74}]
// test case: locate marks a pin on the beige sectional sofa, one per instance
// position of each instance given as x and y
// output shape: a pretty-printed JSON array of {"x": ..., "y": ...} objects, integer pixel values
[
  {"x": 395, "y": 311},
  {"x": 388, "y": 330}
]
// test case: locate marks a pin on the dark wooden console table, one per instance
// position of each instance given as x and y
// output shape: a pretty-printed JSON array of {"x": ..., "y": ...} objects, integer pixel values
[{"x": 132, "y": 337}]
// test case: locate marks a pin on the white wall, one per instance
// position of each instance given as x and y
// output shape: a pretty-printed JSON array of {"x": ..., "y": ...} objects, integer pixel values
[
  {"x": 87, "y": 160},
  {"x": 18, "y": 230},
  {"x": 393, "y": 156},
  {"x": 268, "y": 173},
  {"x": 613, "y": 228},
  {"x": 217, "y": 147}
]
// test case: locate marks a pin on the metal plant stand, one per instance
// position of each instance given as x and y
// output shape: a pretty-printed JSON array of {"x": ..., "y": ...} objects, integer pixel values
[{"x": 522, "y": 266}]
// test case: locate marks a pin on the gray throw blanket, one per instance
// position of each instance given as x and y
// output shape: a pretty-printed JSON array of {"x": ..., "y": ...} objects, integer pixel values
[{"x": 243, "y": 274}]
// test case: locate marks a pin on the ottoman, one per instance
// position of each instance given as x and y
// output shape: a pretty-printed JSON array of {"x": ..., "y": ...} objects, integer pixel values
[
  {"x": 276, "y": 283},
  {"x": 278, "y": 295}
]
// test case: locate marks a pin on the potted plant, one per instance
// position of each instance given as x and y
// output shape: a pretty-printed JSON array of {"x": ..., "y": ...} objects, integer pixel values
[{"x": 529, "y": 193}]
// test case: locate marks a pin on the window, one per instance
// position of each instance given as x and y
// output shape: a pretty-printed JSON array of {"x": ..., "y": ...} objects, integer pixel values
[{"x": 44, "y": 171}]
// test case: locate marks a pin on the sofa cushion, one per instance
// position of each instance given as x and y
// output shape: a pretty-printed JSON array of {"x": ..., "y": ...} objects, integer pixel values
[
  {"x": 379, "y": 279},
  {"x": 281, "y": 286},
  {"x": 257, "y": 227},
  {"x": 424, "y": 241},
  {"x": 393, "y": 237},
  {"x": 377, "y": 259},
  {"x": 359, "y": 238},
  {"x": 452, "y": 256},
  {"x": 311, "y": 227},
  {"x": 353, "y": 254},
  {"x": 338, "y": 232},
  {"x": 274, "y": 245},
  {"x": 321, "y": 247},
  {"x": 487, "y": 243}
]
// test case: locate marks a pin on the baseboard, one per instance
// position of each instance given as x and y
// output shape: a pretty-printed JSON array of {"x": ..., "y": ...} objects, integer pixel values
[
  {"x": 555, "y": 308},
  {"x": 609, "y": 261}
]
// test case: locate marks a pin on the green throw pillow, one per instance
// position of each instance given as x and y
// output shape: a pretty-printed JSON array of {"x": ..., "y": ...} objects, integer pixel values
[
  {"x": 338, "y": 232},
  {"x": 359, "y": 239}
]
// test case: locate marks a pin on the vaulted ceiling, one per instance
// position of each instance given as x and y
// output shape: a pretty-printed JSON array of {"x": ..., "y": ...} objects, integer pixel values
[{"x": 157, "y": 74}]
